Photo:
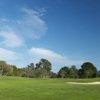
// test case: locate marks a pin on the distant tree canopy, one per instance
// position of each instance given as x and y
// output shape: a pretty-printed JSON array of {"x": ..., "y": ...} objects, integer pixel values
[
  {"x": 42, "y": 69},
  {"x": 64, "y": 72},
  {"x": 45, "y": 64},
  {"x": 74, "y": 72},
  {"x": 5, "y": 69},
  {"x": 31, "y": 66},
  {"x": 98, "y": 73},
  {"x": 88, "y": 70}
]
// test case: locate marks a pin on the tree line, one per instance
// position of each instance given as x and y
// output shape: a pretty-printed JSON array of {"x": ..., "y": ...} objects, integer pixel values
[{"x": 43, "y": 69}]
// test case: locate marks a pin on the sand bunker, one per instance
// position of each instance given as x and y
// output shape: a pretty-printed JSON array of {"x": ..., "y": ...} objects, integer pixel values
[{"x": 90, "y": 83}]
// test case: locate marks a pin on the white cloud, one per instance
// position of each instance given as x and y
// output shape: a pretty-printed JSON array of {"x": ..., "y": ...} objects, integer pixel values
[
  {"x": 16, "y": 32},
  {"x": 52, "y": 56},
  {"x": 7, "y": 55},
  {"x": 28, "y": 25},
  {"x": 10, "y": 39},
  {"x": 34, "y": 24}
]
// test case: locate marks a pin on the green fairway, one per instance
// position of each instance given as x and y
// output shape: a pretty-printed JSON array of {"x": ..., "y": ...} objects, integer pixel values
[{"x": 16, "y": 88}]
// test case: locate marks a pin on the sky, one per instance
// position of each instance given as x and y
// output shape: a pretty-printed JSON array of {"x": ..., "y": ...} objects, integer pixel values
[{"x": 66, "y": 32}]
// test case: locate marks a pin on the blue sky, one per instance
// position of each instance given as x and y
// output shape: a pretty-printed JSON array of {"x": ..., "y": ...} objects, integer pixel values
[{"x": 66, "y": 32}]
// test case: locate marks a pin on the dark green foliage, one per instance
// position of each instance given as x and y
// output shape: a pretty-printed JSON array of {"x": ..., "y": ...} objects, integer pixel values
[
  {"x": 42, "y": 73},
  {"x": 73, "y": 72},
  {"x": 15, "y": 71},
  {"x": 80, "y": 73},
  {"x": 45, "y": 64},
  {"x": 31, "y": 66},
  {"x": 5, "y": 69},
  {"x": 53, "y": 75},
  {"x": 42, "y": 69},
  {"x": 88, "y": 70},
  {"x": 98, "y": 73},
  {"x": 38, "y": 66},
  {"x": 64, "y": 72}
]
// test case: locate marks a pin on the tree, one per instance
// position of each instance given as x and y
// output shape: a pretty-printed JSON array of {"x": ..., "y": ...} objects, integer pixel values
[
  {"x": 53, "y": 75},
  {"x": 80, "y": 73},
  {"x": 38, "y": 66},
  {"x": 45, "y": 64},
  {"x": 44, "y": 73},
  {"x": 8, "y": 70},
  {"x": 2, "y": 65},
  {"x": 15, "y": 70},
  {"x": 98, "y": 73},
  {"x": 5, "y": 69},
  {"x": 31, "y": 66},
  {"x": 64, "y": 72},
  {"x": 88, "y": 70},
  {"x": 43, "y": 68},
  {"x": 73, "y": 72},
  {"x": 25, "y": 72}
]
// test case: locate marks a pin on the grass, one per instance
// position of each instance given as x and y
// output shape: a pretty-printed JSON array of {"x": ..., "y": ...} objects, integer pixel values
[{"x": 16, "y": 88}]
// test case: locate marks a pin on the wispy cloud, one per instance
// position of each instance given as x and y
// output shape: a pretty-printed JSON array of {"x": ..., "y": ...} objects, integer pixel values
[
  {"x": 2, "y": 20},
  {"x": 34, "y": 24},
  {"x": 29, "y": 25},
  {"x": 10, "y": 39},
  {"x": 7, "y": 55},
  {"x": 16, "y": 31},
  {"x": 53, "y": 56}
]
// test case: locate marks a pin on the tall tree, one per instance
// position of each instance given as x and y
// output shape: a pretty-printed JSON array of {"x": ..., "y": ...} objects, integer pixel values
[
  {"x": 5, "y": 69},
  {"x": 73, "y": 72},
  {"x": 15, "y": 70},
  {"x": 80, "y": 73},
  {"x": 45, "y": 64},
  {"x": 64, "y": 72},
  {"x": 31, "y": 66},
  {"x": 38, "y": 66},
  {"x": 88, "y": 70}
]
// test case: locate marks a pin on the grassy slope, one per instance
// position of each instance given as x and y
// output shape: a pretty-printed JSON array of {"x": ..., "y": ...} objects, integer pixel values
[{"x": 13, "y": 88}]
